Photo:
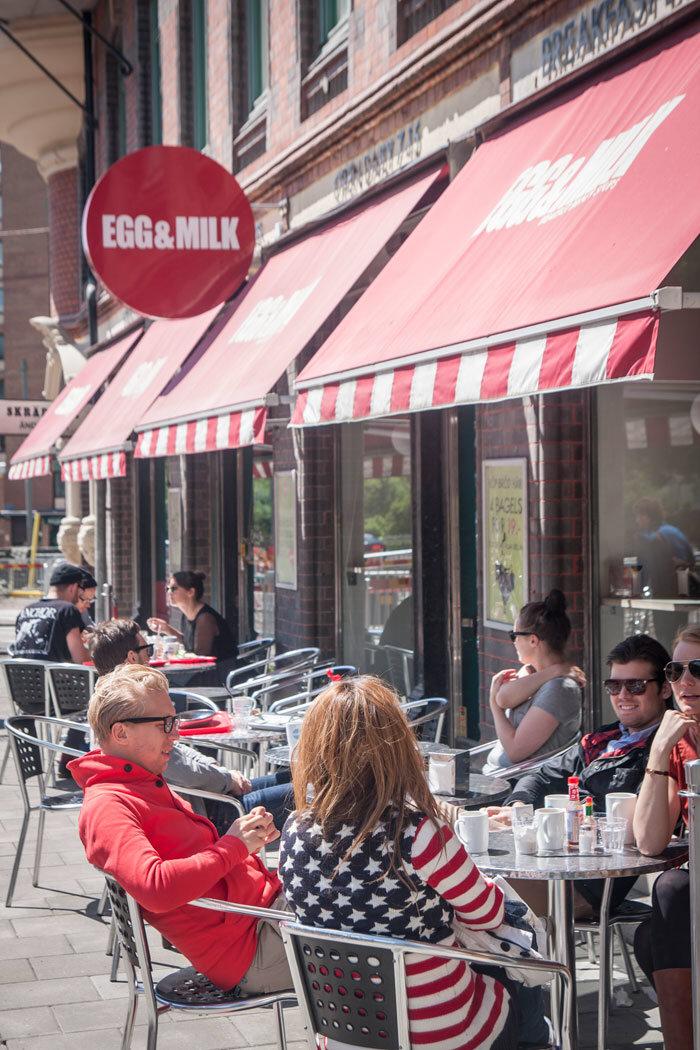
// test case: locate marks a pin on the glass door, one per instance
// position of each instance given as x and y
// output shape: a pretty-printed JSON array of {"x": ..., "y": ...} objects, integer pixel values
[
  {"x": 263, "y": 543},
  {"x": 377, "y": 549}
]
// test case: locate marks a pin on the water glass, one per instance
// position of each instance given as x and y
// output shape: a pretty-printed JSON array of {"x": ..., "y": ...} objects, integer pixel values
[
  {"x": 242, "y": 710},
  {"x": 524, "y": 814},
  {"x": 612, "y": 834},
  {"x": 525, "y": 834}
]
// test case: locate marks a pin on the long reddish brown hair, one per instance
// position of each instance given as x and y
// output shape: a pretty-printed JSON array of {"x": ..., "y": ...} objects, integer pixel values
[{"x": 360, "y": 757}]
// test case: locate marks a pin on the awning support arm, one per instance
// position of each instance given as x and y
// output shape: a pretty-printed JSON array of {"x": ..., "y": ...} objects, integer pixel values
[
  {"x": 125, "y": 65},
  {"x": 47, "y": 72}
]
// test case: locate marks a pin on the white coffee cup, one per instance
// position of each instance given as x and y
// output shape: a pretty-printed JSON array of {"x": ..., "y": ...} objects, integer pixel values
[
  {"x": 556, "y": 801},
  {"x": 620, "y": 805},
  {"x": 551, "y": 830},
  {"x": 473, "y": 831}
]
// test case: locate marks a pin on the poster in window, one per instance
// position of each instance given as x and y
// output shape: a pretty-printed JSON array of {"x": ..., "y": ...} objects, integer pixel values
[
  {"x": 504, "y": 503},
  {"x": 285, "y": 514}
]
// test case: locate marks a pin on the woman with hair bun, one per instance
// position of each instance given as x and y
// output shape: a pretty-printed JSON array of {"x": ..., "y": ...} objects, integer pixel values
[
  {"x": 204, "y": 630},
  {"x": 537, "y": 708}
]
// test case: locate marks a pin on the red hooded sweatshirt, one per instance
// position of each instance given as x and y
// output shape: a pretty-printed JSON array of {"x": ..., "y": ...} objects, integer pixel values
[{"x": 134, "y": 828}]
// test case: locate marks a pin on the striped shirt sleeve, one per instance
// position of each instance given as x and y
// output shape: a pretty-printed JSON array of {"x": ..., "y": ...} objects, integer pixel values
[{"x": 442, "y": 862}]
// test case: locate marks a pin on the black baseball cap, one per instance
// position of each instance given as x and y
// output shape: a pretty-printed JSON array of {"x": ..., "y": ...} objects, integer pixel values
[
  {"x": 88, "y": 581},
  {"x": 65, "y": 574}
]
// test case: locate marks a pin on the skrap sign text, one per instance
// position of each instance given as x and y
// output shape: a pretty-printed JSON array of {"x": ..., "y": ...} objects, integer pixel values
[{"x": 188, "y": 232}]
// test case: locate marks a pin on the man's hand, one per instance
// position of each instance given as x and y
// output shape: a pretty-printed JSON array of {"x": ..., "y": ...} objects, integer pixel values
[
  {"x": 674, "y": 725},
  {"x": 255, "y": 829},
  {"x": 500, "y": 817},
  {"x": 240, "y": 785}
]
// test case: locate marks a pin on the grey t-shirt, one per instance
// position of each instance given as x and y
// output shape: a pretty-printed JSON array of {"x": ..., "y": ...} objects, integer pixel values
[{"x": 561, "y": 697}]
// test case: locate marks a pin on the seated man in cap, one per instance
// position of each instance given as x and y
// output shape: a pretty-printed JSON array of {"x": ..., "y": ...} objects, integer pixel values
[
  {"x": 51, "y": 629},
  {"x": 134, "y": 828}
]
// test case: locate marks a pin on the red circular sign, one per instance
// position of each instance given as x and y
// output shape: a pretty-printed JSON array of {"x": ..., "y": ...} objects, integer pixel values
[{"x": 169, "y": 232}]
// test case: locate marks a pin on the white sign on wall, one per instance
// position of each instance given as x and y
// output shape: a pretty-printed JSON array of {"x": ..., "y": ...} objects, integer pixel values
[{"x": 19, "y": 417}]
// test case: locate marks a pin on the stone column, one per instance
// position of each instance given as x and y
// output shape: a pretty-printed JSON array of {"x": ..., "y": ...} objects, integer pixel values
[{"x": 70, "y": 524}]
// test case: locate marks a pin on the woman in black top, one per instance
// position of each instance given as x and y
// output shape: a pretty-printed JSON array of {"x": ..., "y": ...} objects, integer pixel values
[{"x": 204, "y": 630}]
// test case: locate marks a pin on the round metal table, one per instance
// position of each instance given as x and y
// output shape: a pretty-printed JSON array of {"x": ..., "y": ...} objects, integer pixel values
[
  {"x": 561, "y": 870},
  {"x": 189, "y": 676},
  {"x": 243, "y": 738}
]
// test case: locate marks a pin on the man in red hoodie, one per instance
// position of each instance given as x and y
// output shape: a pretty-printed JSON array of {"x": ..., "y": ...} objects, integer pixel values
[{"x": 134, "y": 828}]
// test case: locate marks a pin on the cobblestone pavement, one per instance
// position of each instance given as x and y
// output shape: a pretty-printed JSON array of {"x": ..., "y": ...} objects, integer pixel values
[{"x": 56, "y": 992}]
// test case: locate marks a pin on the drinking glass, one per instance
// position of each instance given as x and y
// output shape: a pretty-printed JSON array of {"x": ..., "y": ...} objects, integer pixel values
[
  {"x": 611, "y": 835},
  {"x": 242, "y": 710},
  {"x": 524, "y": 834}
]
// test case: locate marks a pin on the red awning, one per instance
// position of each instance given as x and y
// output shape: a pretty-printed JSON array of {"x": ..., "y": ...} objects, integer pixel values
[
  {"x": 98, "y": 447},
  {"x": 219, "y": 402},
  {"x": 33, "y": 457},
  {"x": 538, "y": 268}
]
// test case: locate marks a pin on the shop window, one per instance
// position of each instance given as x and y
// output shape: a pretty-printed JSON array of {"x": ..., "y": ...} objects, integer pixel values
[
  {"x": 648, "y": 509},
  {"x": 262, "y": 536},
  {"x": 377, "y": 546},
  {"x": 194, "y": 118},
  {"x": 251, "y": 65},
  {"x": 413, "y": 15},
  {"x": 324, "y": 37}
]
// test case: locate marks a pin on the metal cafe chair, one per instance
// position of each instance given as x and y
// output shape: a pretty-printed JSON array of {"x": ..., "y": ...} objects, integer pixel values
[
  {"x": 26, "y": 750},
  {"x": 184, "y": 989},
  {"x": 257, "y": 648},
  {"x": 352, "y": 987},
  {"x": 606, "y": 925},
  {"x": 436, "y": 707},
  {"x": 528, "y": 765},
  {"x": 70, "y": 688},
  {"x": 243, "y": 679},
  {"x": 27, "y": 685},
  {"x": 185, "y": 700}
]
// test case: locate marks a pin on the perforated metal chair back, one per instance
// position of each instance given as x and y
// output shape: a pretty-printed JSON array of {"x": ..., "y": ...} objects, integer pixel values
[
  {"x": 350, "y": 991},
  {"x": 27, "y": 756},
  {"x": 124, "y": 922},
  {"x": 70, "y": 687},
  {"x": 26, "y": 684}
]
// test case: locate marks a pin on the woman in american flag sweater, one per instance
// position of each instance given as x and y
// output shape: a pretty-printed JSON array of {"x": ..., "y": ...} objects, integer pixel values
[{"x": 371, "y": 854}]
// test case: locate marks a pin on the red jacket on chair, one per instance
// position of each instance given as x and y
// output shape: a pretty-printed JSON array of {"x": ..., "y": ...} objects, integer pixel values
[{"x": 134, "y": 828}]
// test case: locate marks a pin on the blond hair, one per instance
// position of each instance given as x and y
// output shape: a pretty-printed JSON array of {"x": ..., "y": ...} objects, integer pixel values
[
  {"x": 690, "y": 633},
  {"x": 122, "y": 694},
  {"x": 359, "y": 754}
]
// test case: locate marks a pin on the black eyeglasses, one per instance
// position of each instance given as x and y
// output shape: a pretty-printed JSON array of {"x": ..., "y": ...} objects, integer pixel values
[
  {"x": 635, "y": 686},
  {"x": 148, "y": 647},
  {"x": 519, "y": 634},
  {"x": 169, "y": 721},
  {"x": 674, "y": 670}
]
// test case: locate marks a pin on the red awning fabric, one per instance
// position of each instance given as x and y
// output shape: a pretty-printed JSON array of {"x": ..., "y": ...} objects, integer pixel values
[
  {"x": 537, "y": 268},
  {"x": 219, "y": 402},
  {"x": 98, "y": 447},
  {"x": 33, "y": 457}
]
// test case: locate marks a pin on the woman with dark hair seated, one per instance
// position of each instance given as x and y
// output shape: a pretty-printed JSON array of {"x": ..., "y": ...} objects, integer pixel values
[
  {"x": 204, "y": 630},
  {"x": 370, "y": 854},
  {"x": 537, "y": 708}
]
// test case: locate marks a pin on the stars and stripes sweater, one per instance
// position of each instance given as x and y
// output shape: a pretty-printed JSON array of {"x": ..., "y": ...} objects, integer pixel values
[{"x": 450, "y": 1006}]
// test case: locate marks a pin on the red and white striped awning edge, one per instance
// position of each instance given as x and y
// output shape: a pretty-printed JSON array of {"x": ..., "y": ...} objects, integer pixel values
[
  {"x": 30, "y": 468},
  {"x": 95, "y": 468},
  {"x": 229, "y": 430},
  {"x": 587, "y": 355}
]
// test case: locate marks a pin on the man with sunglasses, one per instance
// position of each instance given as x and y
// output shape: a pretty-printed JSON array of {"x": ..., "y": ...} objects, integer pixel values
[
  {"x": 134, "y": 828},
  {"x": 662, "y": 943},
  {"x": 116, "y": 642},
  {"x": 613, "y": 757}
]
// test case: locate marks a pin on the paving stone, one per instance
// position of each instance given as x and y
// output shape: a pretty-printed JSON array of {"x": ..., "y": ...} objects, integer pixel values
[
  {"x": 13, "y": 971},
  {"x": 49, "y": 993},
  {"x": 65, "y": 922},
  {"x": 28, "y": 947},
  {"x": 109, "y": 1040},
  {"x": 85, "y": 965},
  {"x": 92, "y": 1016},
  {"x": 23, "y": 1024}
]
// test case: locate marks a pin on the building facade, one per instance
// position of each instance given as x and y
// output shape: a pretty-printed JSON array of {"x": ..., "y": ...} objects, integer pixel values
[{"x": 378, "y": 540}]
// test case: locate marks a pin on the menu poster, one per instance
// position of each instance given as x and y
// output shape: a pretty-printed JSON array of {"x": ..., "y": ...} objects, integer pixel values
[
  {"x": 285, "y": 514},
  {"x": 505, "y": 525}
]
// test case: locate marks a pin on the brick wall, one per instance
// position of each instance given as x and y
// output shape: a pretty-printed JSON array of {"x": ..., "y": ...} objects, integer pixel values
[
  {"x": 26, "y": 284},
  {"x": 558, "y": 500},
  {"x": 168, "y": 20},
  {"x": 120, "y": 500}
]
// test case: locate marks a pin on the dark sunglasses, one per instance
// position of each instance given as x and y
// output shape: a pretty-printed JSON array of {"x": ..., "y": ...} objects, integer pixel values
[
  {"x": 149, "y": 647},
  {"x": 635, "y": 686},
  {"x": 674, "y": 670},
  {"x": 169, "y": 721},
  {"x": 519, "y": 634}
]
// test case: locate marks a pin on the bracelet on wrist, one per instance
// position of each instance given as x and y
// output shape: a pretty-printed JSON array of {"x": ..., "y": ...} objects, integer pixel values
[{"x": 658, "y": 772}]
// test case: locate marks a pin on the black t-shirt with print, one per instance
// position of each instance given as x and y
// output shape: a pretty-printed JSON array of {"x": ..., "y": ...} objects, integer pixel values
[{"x": 41, "y": 630}]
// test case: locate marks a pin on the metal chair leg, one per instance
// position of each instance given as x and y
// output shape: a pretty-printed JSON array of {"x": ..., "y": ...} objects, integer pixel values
[
  {"x": 626, "y": 958},
  {"x": 152, "y": 1038},
  {"x": 39, "y": 844},
  {"x": 605, "y": 966},
  {"x": 590, "y": 948},
  {"x": 280, "y": 1032},
  {"x": 116, "y": 955},
  {"x": 111, "y": 938},
  {"x": 130, "y": 1017},
  {"x": 104, "y": 901},
  {"x": 18, "y": 858},
  {"x": 5, "y": 757}
]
